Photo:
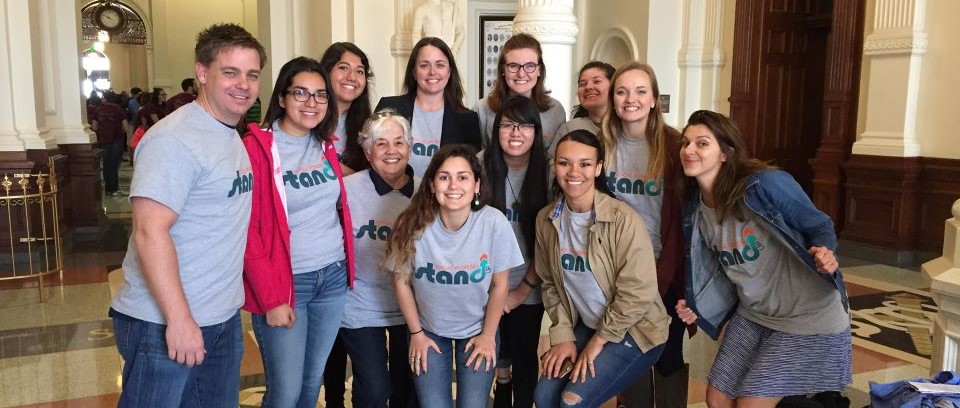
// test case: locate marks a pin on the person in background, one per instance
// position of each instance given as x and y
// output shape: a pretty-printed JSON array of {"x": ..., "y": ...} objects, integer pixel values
[
  {"x": 516, "y": 167},
  {"x": 593, "y": 91},
  {"x": 381, "y": 376},
  {"x": 520, "y": 71},
  {"x": 349, "y": 71},
  {"x": 177, "y": 315},
  {"x": 450, "y": 254},
  {"x": 299, "y": 257},
  {"x": 350, "y": 74},
  {"x": 111, "y": 127},
  {"x": 133, "y": 105},
  {"x": 93, "y": 103},
  {"x": 189, "y": 94},
  {"x": 608, "y": 324},
  {"x": 760, "y": 261},
  {"x": 154, "y": 110},
  {"x": 433, "y": 102}
]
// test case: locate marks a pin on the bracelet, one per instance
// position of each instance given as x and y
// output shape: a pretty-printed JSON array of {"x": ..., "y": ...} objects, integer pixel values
[
  {"x": 528, "y": 283},
  {"x": 417, "y": 332}
]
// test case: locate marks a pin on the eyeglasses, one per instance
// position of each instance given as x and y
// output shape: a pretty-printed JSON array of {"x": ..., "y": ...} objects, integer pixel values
[
  {"x": 523, "y": 127},
  {"x": 529, "y": 67},
  {"x": 301, "y": 95}
]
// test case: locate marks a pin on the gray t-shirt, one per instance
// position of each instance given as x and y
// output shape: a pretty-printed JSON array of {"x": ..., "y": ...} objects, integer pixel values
[
  {"x": 514, "y": 181},
  {"x": 628, "y": 180},
  {"x": 372, "y": 302},
  {"x": 427, "y": 128},
  {"x": 775, "y": 287},
  {"x": 341, "y": 135},
  {"x": 197, "y": 167},
  {"x": 550, "y": 120},
  {"x": 453, "y": 269},
  {"x": 312, "y": 189},
  {"x": 578, "y": 279},
  {"x": 570, "y": 126}
]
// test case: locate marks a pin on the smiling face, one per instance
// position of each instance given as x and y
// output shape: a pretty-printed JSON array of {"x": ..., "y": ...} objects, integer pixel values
[
  {"x": 230, "y": 84},
  {"x": 593, "y": 91},
  {"x": 300, "y": 117},
  {"x": 516, "y": 139},
  {"x": 521, "y": 82},
  {"x": 577, "y": 166},
  {"x": 389, "y": 152},
  {"x": 455, "y": 185},
  {"x": 701, "y": 155},
  {"x": 633, "y": 97},
  {"x": 348, "y": 79},
  {"x": 432, "y": 71}
]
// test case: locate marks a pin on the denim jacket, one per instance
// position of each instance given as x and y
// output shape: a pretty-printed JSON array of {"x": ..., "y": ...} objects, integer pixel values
[{"x": 775, "y": 197}]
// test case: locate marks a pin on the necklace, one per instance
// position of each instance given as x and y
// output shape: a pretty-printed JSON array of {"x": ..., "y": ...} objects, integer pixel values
[{"x": 513, "y": 191}]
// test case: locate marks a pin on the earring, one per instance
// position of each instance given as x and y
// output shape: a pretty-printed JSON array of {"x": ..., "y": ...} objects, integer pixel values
[{"x": 476, "y": 199}]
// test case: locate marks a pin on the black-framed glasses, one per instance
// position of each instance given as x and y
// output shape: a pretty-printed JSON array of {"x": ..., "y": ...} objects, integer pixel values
[
  {"x": 529, "y": 67},
  {"x": 301, "y": 95},
  {"x": 523, "y": 127}
]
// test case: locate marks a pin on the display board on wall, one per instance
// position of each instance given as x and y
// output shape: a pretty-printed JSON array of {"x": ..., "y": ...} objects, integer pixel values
[{"x": 494, "y": 31}]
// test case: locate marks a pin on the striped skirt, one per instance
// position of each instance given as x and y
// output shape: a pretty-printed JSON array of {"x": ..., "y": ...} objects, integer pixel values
[{"x": 754, "y": 361}]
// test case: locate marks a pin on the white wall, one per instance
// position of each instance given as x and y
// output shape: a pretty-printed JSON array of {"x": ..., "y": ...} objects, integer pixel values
[{"x": 939, "y": 98}]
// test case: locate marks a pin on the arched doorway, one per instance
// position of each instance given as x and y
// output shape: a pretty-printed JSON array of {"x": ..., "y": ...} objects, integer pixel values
[{"x": 126, "y": 47}]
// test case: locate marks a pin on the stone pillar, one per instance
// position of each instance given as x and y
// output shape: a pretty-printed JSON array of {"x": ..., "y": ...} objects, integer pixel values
[
  {"x": 943, "y": 277},
  {"x": 701, "y": 57},
  {"x": 894, "y": 51},
  {"x": 554, "y": 24},
  {"x": 26, "y": 94},
  {"x": 401, "y": 42}
]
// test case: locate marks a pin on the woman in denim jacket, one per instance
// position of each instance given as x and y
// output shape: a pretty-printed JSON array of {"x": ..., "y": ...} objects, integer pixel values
[{"x": 761, "y": 256}]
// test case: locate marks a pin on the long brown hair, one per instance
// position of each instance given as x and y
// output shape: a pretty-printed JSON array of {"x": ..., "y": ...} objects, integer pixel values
[
  {"x": 424, "y": 208},
  {"x": 656, "y": 132},
  {"x": 453, "y": 92},
  {"x": 501, "y": 91},
  {"x": 731, "y": 182}
]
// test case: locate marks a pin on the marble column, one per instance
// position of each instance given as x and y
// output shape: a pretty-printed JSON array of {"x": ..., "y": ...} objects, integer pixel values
[
  {"x": 895, "y": 52},
  {"x": 943, "y": 277},
  {"x": 554, "y": 24},
  {"x": 701, "y": 57},
  {"x": 401, "y": 42}
]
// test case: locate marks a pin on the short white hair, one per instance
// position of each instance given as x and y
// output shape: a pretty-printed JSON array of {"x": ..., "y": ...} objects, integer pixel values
[{"x": 374, "y": 126}]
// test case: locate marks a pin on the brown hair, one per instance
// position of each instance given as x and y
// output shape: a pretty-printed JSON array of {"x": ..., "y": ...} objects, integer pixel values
[
  {"x": 219, "y": 37},
  {"x": 656, "y": 132},
  {"x": 424, "y": 208},
  {"x": 731, "y": 182},
  {"x": 500, "y": 91}
]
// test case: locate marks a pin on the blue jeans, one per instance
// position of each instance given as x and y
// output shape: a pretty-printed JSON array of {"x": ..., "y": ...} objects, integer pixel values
[
  {"x": 112, "y": 157},
  {"x": 380, "y": 374},
  {"x": 617, "y": 366},
  {"x": 152, "y": 379},
  {"x": 293, "y": 359},
  {"x": 434, "y": 387}
]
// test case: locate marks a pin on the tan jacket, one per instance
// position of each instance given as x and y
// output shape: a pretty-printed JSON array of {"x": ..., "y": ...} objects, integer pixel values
[{"x": 621, "y": 258}]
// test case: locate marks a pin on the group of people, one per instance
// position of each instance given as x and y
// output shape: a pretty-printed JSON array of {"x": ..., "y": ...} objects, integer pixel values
[
  {"x": 120, "y": 120},
  {"x": 427, "y": 240}
]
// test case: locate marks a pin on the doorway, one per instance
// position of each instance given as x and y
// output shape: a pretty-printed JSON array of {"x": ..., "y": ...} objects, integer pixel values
[{"x": 777, "y": 93}]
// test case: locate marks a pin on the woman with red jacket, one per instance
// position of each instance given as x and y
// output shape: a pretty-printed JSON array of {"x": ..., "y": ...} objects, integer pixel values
[{"x": 299, "y": 256}]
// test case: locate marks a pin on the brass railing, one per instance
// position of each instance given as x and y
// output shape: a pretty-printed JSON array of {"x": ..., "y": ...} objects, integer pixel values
[{"x": 29, "y": 207}]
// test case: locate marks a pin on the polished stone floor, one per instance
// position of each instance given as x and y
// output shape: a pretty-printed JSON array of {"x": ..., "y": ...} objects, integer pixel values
[{"x": 59, "y": 352}]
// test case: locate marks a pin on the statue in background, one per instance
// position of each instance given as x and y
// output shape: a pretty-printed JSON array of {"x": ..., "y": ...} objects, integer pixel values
[{"x": 441, "y": 19}]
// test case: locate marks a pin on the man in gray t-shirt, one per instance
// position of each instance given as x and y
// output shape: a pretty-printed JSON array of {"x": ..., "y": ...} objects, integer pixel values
[{"x": 178, "y": 309}]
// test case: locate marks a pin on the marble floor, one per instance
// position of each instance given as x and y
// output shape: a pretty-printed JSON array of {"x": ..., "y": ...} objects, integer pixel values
[{"x": 59, "y": 352}]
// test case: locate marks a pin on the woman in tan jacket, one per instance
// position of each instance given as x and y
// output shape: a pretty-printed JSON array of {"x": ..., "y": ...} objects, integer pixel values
[{"x": 599, "y": 285}]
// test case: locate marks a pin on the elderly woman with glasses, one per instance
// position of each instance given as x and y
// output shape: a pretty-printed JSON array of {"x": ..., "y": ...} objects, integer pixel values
[
  {"x": 520, "y": 72},
  {"x": 299, "y": 258},
  {"x": 379, "y": 194}
]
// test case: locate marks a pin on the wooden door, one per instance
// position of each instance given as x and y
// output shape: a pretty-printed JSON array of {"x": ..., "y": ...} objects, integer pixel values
[{"x": 778, "y": 80}]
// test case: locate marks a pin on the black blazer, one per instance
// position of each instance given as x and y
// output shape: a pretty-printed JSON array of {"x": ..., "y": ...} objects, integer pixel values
[{"x": 459, "y": 127}]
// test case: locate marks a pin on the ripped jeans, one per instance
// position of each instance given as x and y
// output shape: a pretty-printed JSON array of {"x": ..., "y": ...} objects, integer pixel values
[{"x": 617, "y": 366}]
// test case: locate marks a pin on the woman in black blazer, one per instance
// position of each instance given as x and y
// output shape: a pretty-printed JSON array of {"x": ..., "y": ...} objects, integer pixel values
[{"x": 433, "y": 103}]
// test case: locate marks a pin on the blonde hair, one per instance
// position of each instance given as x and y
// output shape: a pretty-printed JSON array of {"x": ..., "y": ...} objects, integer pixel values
[{"x": 611, "y": 130}]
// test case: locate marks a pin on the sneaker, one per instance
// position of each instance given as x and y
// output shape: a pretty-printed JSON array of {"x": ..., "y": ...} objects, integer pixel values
[{"x": 119, "y": 193}]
